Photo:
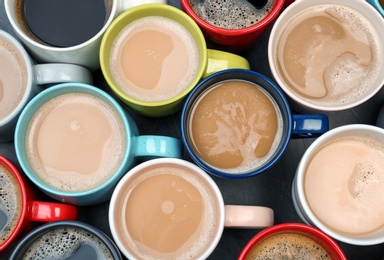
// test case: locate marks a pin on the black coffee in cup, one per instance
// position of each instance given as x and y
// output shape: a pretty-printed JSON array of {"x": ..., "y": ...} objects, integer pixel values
[{"x": 64, "y": 23}]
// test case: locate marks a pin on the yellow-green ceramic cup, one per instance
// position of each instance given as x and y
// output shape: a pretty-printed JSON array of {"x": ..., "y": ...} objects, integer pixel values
[{"x": 210, "y": 60}]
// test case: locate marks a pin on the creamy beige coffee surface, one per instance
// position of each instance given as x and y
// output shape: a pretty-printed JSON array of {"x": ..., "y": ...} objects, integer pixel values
[
  {"x": 154, "y": 59},
  {"x": 13, "y": 77},
  {"x": 167, "y": 213},
  {"x": 75, "y": 142},
  {"x": 10, "y": 203},
  {"x": 344, "y": 184},
  {"x": 235, "y": 126},
  {"x": 288, "y": 245},
  {"x": 329, "y": 55}
]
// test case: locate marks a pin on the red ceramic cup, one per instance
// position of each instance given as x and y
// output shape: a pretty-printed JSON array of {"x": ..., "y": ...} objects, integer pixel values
[
  {"x": 330, "y": 246},
  {"x": 234, "y": 40},
  {"x": 32, "y": 210}
]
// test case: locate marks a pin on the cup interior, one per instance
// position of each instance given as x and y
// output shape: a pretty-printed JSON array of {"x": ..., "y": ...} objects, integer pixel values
[
  {"x": 289, "y": 14},
  {"x": 245, "y": 75},
  {"x": 134, "y": 14}
]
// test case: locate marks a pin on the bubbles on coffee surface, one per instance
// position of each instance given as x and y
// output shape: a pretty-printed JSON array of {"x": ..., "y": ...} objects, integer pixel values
[
  {"x": 66, "y": 243},
  {"x": 231, "y": 14}
]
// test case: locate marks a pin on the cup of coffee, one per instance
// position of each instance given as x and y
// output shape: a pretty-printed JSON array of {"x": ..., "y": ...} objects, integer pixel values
[
  {"x": 234, "y": 25},
  {"x": 75, "y": 142},
  {"x": 20, "y": 207},
  {"x": 67, "y": 31},
  {"x": 169, "y": 208},
  {"x": 283, "y": 241},
  {"x": 378, "y": 4},
  {"x": 237, "y": 123},
  {"x": 328, "y": 55},
  {"x": 153, "y": 55},
  {"x": 73, "y": 240},
  {"x": 339, "y": 182},
  {"x": 20, "y": 77}
]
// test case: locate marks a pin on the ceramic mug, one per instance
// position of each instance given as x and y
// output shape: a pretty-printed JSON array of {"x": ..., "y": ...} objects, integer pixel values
[
  {"x": 378, "y": 4},
  {"x": 75, "y": 141},
  {"x": 156, "y": 82},
  {"x": 20, "y": 207},
  {"x": 237, "y": 123},
  {"x": 66, "y": 240},
  {"x": 20, "y": 77},
  {"x": 327, "y": 55},
  {"x": 289, "y": 239},
  {"x": 234, "y": 39},
  {"x": 170, "y": 208},
  {"x": 338, "y": 184},
  {"x": 86, "y": 53}
]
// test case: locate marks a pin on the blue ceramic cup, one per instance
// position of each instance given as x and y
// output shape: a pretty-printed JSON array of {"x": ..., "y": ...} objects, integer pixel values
[
  {"x": 230, "y": 130},
  {"x": 75, "y": 142},
  {"x": 378, "y": 4}
]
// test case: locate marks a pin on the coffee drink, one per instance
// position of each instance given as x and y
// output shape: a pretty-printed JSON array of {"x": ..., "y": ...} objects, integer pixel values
[
  {"x": 75, "y": 142},
  {"x": 287, "y": 246},
  {"x": 343, "y": 185},
  {"x": 235, "y": 126},
  {"x": 167, "y": 213},
  {"x": 13, "y": 77},
  {"x": 154, "y": 59},
  {"x": 10, "y": 203},
  {"x": 67, "y": 243},
  {"x": 232, "y": 14},
  {"x": 329, "y": 55},
  {"x": 62, "y": 23}
]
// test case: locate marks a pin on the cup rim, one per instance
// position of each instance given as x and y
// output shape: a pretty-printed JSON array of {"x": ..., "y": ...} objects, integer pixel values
[
  {"x": 154, "y": 7},
  {"x": 12, "y": 168},
  {"x": 299, "y": 6},
  {"x": 50, "y": 92},
  {"x": 41, "y": 230},
  {"x": 47, "y": 47},
  {"x": 299, "y": 179},
  {"x": 29, "y": 81},
  {"x": 167, "y": 161},
  {"x": 286, "y": 227},
  {"x": 233, "y": 32},
  {"x": 274, "y": 158}
]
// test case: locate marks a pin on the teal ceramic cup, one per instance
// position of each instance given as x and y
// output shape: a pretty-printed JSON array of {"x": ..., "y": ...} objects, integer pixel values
[{"x": 74, "y": 141}]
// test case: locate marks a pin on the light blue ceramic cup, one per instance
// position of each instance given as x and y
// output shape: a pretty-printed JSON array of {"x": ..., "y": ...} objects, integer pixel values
[{"x": 138, "y": 147}]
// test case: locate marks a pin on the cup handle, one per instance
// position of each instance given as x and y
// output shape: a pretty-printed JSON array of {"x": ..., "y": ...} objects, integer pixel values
[
  {"x": 237, "y": 216},
  {"x": 157, "y": 146},
  {"x": 221, "y": 60},
  {"x": 124, "y": 5},
  {"x": 311, "y": 125},
  {"x": 57, "y": 73},
  {"x": 49, "y": 211}
]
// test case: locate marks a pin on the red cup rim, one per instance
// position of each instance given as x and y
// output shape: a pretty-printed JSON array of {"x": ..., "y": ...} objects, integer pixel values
[
  {"x": 294, "y": 226},
  {"x": 9, "y": 165},
  {"x": 234, "y": 32}
]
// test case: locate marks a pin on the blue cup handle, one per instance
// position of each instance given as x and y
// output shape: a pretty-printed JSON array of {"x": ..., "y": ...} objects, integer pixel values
[
  {"x": 310, "y": 125},
  {"x": 157, "y": 146}
]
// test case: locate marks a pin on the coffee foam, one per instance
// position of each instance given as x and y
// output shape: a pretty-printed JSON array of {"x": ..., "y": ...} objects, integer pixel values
[
  {"x": 13, "y": 77},
  {"x": 287, "y": 246},
  {"x": 163, "y": 90},
  {"x": 63, "y": 242},
  {"x": 73, "y": 181},
  {"x": 230, "y": 14},
  {"x": 350, "y": 76},
  {"x": 199, "y": 241},
  {"x": 10, "y": 202}
]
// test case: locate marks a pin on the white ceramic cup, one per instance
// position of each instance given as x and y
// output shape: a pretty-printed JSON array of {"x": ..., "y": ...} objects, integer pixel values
[
  {"x": 85, "y": 54},
  {"x": 37, "y": 74},
  {"x": 287, "y": 17},
  {"x": 301, "y": 201},
  {"x": 226, "y": 215}
]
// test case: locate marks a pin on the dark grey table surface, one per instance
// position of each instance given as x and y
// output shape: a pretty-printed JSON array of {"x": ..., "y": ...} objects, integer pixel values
[{"x": 272, "y": 188}]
